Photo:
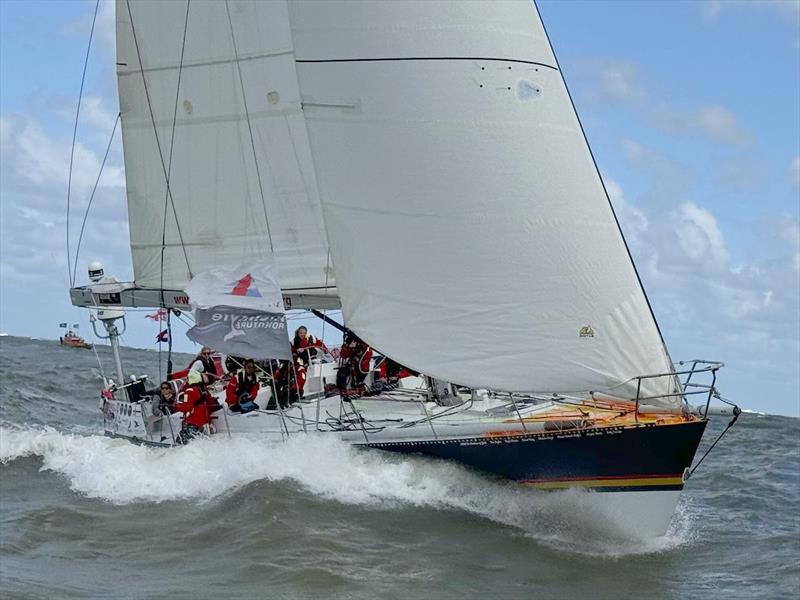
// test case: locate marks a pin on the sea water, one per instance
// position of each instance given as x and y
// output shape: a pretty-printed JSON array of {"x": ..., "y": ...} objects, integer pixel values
[{"x": 82, "y": 515}]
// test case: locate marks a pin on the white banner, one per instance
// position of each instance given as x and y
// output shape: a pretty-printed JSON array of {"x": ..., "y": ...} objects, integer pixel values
[
  {"x": 254, "y": 286},
  {"x": 240, "y": 312}
]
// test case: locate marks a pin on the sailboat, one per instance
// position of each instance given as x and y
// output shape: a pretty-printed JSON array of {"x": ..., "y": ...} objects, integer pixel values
[{"x": 419, "y": 166}]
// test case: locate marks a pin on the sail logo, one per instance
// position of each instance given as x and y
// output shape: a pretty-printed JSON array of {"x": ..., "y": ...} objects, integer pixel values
[
  {"x": 245, "y": 287},
  {"x": 586, "y": 331}
]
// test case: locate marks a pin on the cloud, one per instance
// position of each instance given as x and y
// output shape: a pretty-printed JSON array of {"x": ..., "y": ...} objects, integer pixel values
[
  {"x": 675, "y": 177},
  {"x": 746, "y": 314},
  {"x": 711, "y": 9},
  {"x": 93, "y": 115},
  {"x": 36, "y": 158},
  {"x": 715, "y": 123},
  {"x": 787, "y": 10},
  {"x": 34, "y": 173},
  {"x": 104, "y": 28},
  {"x": 618, "y": 81},
  {"x": 611, "y": 80},
  {"x": 700, "y": 237}
]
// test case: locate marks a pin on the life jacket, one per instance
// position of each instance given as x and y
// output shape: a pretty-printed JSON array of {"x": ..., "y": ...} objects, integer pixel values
[
  {"x": 195, "y": 407},
  {"x": 240, "y": 385},
  {"x": 358, "y": 358},
  {"x": 307, "y": 349}
]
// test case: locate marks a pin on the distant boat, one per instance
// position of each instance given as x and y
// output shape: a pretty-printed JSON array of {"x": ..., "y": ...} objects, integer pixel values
[{"x": 73, "y": 340}]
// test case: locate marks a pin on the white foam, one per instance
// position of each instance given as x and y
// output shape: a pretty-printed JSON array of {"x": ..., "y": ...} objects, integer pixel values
[{"x": 121, "y": 473}]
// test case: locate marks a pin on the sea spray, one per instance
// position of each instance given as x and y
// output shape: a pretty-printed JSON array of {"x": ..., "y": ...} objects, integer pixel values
[{"x": 122, "y": 473}]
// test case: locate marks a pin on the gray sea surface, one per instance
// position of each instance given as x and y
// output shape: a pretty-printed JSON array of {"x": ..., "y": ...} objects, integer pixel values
[{"x": 83, "y": 516}]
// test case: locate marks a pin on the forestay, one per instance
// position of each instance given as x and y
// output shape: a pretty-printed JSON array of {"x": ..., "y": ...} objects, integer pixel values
[
  {"x": 471, "y": 234},
  {"x": 240, "y": 188}
]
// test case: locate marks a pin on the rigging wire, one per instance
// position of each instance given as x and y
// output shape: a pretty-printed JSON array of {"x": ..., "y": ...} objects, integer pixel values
[
  {"x": 167, "y": 194},
  {"x": 158, "y": 141},
  {"x": 70, "y": 270},
  {"x": 249, "y": 126},
  {"x": 171, "y": 148},
  {"x": 91, "y": 198}
]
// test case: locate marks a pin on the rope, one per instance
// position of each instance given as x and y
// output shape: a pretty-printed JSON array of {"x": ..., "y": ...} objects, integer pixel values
[
  {"x": 249, "y": 126},
  {"x": 99, "y": 364},
  {"x": 736, "y": 413},
  {"x": 91, "y": 198},
  {"x": 158, "y": 141},
  {"x": 70, "y": 270}
]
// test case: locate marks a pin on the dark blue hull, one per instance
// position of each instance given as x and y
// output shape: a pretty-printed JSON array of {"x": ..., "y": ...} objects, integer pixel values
[{"x": 624, "y": 458}]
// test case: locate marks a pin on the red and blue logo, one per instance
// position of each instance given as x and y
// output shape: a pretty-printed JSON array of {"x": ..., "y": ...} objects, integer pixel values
[{"x": 245, "y": 287}]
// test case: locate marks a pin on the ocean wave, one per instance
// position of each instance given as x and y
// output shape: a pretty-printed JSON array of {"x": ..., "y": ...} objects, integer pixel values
[{"x": 121, "y": 473}]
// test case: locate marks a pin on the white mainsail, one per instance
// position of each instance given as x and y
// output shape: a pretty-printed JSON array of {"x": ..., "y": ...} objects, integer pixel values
[
  {"x": 429, "y": 150},
  {"x": 240, "y": 170},
  {"x": 469, "y": 228}
]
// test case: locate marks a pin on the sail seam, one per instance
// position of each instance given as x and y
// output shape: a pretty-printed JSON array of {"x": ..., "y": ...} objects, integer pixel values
[
  {"x": 208, "y": 63},
  {"x": 420, "y": 58}
]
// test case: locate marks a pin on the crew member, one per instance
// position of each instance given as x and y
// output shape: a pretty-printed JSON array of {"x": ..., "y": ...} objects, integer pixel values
[
  {"x": 195, "y": 408},
  {"x": 205, "y": 365},
  {"x": 163, "y": 399},
  {"x": 290, "y": 378},
  {"x": 354, "y": 362},
  {"x": 305, "y": 346},
  {"x": 243, "y": 388}
]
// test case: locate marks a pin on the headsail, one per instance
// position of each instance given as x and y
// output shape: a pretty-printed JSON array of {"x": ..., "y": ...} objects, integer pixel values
[
  {"x": 470, "y": 230},
  {"x": 209, "y": 96}
]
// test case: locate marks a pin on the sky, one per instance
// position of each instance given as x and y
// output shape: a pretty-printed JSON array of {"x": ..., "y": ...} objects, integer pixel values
[{"x": 691, "y": 108}]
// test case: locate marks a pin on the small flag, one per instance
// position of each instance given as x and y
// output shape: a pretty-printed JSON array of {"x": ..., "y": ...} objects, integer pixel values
[
  {"x": 163, "y": 336},
  {"x": 62, "y": 325},
  {"x": 159, "y": 315}
]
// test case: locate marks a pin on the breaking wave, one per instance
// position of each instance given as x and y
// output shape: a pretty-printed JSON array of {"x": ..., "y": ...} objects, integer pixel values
[{"x": 121, "y": 473}]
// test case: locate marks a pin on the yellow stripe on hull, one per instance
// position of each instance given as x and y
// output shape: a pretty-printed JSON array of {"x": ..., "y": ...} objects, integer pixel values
[{"x": 590, "y": 483}]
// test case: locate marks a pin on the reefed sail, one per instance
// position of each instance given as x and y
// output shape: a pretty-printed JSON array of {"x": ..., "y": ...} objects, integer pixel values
[
  {"x": 209, "y": 99},
  {"x": 472, "y": 236}
]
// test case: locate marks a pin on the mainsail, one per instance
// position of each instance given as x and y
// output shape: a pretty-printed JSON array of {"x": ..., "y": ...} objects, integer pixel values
[
  {"x": 209, "y": 101},
  {"x": 427, "y": 149},
  {"x": 471, "y": 233}
]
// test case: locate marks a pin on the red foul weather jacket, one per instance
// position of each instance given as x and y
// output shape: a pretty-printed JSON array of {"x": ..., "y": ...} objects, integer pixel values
[
  {"x": 238, "y": 386},
  {"x": 194, "y": 406}
]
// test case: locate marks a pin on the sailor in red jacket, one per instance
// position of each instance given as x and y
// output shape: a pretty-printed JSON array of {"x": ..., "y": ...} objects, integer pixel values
[
  {"x": 290, "y": 378},
  {"x": 304, "y": 348},
  {"x": 354, "y": 362},
  {"x": 304, "y": 345},
  {"x": 243, "y": 388},
  {"x": 193, "y": 403}
]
